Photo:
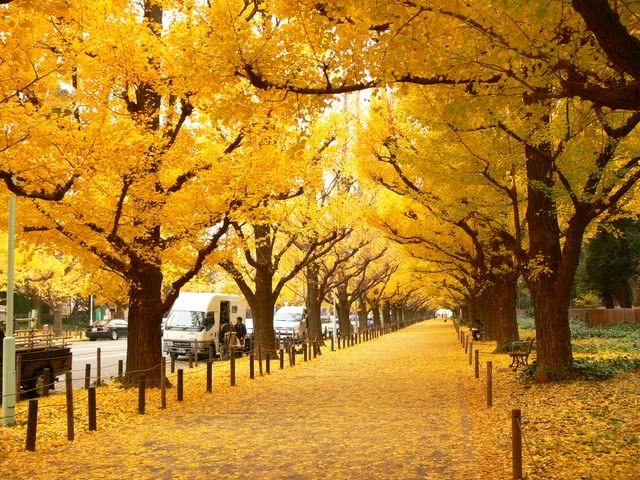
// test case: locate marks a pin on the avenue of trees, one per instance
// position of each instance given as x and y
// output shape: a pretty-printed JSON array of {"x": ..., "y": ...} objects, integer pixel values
[{"x": 386, "y": 153}]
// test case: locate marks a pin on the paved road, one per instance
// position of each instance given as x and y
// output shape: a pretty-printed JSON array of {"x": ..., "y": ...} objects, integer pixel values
[{"x": 86, "y": 353}]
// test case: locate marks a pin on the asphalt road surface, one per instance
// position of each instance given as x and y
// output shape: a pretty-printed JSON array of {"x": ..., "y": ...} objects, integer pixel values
[{"x": 84, "y": 353}]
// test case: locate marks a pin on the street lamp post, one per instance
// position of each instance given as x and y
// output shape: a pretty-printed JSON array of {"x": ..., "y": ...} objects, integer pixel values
[{"x": 9, "y": 342}]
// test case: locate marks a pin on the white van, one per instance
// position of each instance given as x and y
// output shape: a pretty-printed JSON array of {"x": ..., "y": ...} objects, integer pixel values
[
  {"x": 198, "y": 317},
  {"x": 288, "y": 321}
]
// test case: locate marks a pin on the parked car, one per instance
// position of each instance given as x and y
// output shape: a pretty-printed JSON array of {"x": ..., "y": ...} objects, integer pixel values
[{"x": 112, "y": 329}]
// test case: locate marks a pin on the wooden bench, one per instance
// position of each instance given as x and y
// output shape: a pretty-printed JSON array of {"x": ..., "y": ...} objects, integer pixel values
[{"x": 519, "y": 352}]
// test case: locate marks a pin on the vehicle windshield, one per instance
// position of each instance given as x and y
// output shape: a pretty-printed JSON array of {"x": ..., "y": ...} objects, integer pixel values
[
  {"x": 288, "y": 317},
  {"x": 184, "y": 319}
]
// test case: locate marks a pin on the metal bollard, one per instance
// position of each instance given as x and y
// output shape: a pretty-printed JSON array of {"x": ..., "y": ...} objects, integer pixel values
[
  {"x": 18, "y": 376},
  {"x": 87, "y": 375},
  {"x": 232, "y": 367},
  {"x": 251, "y": 366},
  {"x": 141, "y": 394},
  {"x": 91, "y": 404},
  {"x": 516, "y": 443},
  {"x": 281, "y": 358},
  {"x": 32, "y": 425},
  {"x": 163, "y": 383},
  {"x": 209, "y": 376},
  {"x": 46, "y": 382},
  {"x": 69, "y": 402},
  {"x": 489, "y": 384},
  {"x": 98, "y": 367},
  {"x": 180, "y": 388}
]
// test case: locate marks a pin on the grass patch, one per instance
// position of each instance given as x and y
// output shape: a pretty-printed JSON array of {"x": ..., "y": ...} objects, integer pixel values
[
  {"x": 581, "y": 329},
  {"x": 590, "y": 368}
]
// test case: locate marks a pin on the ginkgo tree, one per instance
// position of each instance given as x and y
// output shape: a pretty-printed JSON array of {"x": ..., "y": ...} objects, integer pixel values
[
  {"x": 530, "y": 161},
  {"x": 164, "y": 154},
  {"x": 281, "y": 237}
]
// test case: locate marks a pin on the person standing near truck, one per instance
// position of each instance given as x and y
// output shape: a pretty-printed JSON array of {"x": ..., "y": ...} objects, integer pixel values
[
  {"x": 240, "y": 329},
  {"x": 225, "y": 333}
]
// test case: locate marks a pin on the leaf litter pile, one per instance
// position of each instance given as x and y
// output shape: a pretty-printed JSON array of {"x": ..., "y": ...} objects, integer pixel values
[{"x": 403, "y": 406}]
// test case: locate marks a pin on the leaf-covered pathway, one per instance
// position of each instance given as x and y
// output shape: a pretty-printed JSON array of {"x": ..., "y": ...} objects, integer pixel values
[{"x": 390, "y": 408}]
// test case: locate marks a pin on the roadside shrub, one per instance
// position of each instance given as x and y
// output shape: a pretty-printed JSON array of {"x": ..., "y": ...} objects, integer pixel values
[
  {"x": 526, "y": 323},
  {"x": 581, "y": 329},
  {"x": 589, "y": 368}
]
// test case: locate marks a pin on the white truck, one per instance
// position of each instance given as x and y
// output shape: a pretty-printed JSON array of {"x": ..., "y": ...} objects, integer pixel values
[
  {"x": 195, "y": 320},
  {"x": 289, "y": 322}
]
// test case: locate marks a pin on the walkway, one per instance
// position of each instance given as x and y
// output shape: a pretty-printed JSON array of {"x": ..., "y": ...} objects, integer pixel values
[{"x": 391, "y": 408}]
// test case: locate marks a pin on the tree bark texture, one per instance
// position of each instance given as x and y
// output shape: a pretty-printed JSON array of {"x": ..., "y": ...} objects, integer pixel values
[
  {"x": 145, "y": 317},
  {"x": 386, "y": 314},
  {"x": 362, "y": 314},
  {"x": 375, "y": 309},
  {"x": 551, "y": 270},
  {"x": 344, "y": 308},
  {"x": 262, "y": 305},
  {"x": 504, "y": 308},
  {"x": 314, "y": 303}
]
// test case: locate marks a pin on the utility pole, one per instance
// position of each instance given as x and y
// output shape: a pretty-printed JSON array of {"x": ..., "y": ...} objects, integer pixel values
[
  {"x": 335, "y": 315},
  {"x": 90, "y": 309},
  {"x": 9, "y": 342}
]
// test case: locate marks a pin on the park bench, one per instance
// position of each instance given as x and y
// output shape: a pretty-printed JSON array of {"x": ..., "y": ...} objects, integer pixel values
[{"x": 519, "y": 352}]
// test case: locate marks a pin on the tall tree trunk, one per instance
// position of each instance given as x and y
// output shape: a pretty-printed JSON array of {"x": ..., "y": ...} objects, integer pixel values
[
  {"x": 262, "y": 307},
  {"x": 313, "y": 302},
  {"x": 607, "y": 299},
  {"x": 634, "y": 285},
  {"x": 362, "y": 314},
  {"x": 145, "y": 316},
  {"x": 144, "y": 350},
  {"x": 485, "y": 312},
  {"x": 56, "y": 307},
  {"x": 503, "y": 327},
  {"x": 505, "y": 293},
  {"x": 473, "y": 309},
  {"x": 375, "y": 308},
  {"x": 622, "y": 293},
  {"x": 344, "y": 308},
  {"x": 386, "y": 314},
  {"x": 466, "y": 310},
  {"x": 553, "y": 336},
  {"x": 551, "y": 270}
]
